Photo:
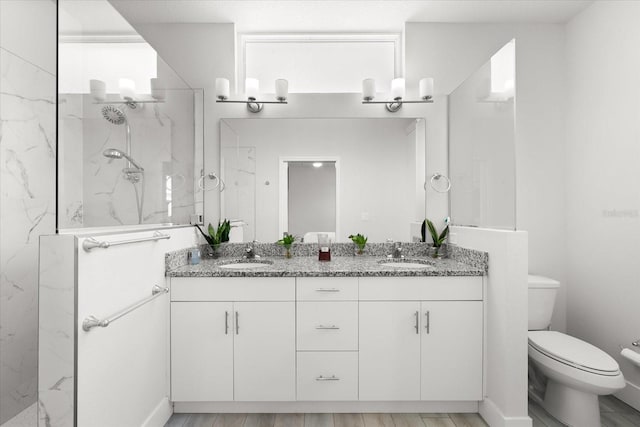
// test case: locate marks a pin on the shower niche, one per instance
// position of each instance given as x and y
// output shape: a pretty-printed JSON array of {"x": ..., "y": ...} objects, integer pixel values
[{"x": 123, "y": 161}]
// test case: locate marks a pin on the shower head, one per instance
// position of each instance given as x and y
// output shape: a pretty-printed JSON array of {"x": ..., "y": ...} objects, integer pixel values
[
  {"x": 113, "y": 115},
  {"x": 113, "y": 153}
]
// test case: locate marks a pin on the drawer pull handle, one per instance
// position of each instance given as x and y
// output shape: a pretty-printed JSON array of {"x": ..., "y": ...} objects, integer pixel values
[
  {"x": 237, "y": 323},
  {"x": 331, "y": 378},
  {"x": 417, "y": 321},
  {"x": 226, "y": 322},
  {"x": 327, "y": 290},
  {"x": 327, "y": 327}
]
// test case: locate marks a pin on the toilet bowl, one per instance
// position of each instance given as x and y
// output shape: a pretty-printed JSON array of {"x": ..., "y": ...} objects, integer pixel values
[{"x": 575, "y": 372}]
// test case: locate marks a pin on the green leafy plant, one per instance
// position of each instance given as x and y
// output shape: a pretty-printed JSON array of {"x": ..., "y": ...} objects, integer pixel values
[
  {"x": 286, "y": 241},
  {"x": 217, "y": 235},
  {"x": 360, "y": 241},
  {"x": 438, "y": 240}
]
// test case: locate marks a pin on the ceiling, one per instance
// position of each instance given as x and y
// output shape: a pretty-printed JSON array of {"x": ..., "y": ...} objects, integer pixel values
[{"x": 343, "y": 16}]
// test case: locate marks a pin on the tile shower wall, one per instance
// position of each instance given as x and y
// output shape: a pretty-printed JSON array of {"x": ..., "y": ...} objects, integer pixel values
[
  {"x": 27, "y": 210},
  {"x": 93, "y": 191}
]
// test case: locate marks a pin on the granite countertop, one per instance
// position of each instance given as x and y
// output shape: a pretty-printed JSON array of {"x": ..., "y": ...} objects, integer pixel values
[{"x": 339, "y": 266}]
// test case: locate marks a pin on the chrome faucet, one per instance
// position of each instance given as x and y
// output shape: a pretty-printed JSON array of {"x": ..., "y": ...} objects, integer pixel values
[
  {"x": 397, "y": 250},
  {"x": 250, "y": 251}
]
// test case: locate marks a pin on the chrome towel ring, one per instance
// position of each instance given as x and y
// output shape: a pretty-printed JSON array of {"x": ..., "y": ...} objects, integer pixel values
[
  {"x": 436, "y": 177},
  {"x": 219, "y": 182}
]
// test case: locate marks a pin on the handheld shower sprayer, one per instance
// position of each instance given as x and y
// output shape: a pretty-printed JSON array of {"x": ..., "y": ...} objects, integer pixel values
[{"x": 113, "y": 153}]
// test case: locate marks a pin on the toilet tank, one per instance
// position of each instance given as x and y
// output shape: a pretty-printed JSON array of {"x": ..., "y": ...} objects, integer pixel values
[{"x": 542, "y": 297}]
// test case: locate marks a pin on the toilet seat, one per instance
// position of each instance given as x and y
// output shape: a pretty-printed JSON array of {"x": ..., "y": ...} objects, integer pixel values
[{"x": 573, "y": 352}]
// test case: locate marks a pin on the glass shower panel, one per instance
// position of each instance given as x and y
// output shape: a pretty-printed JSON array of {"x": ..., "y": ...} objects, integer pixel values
[
  {"x": 482, "y": 145},
  {"x": 122, "y": 161},
  {"x": 238, "y": 194}
]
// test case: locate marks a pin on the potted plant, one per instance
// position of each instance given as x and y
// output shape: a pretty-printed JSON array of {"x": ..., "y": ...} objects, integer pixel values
[
  {"x": 287, "y": 241},
  {"x": 438, "y": 239},
  {"x": 360, "y": 242},
  {"x": 217, "y": 236}
]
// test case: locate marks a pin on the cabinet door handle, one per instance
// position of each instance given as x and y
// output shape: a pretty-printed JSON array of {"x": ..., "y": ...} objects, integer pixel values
[
  {"x": 417, "y": 321},
  {"x": 428, "y": 321},
  {"x": 327, "y": 290},
  {"x": 331, "y": 378},
  {"x": 327, "y": 327},
  {"x": 237, "y": 324},
  {"x": 226, "y": 322}
]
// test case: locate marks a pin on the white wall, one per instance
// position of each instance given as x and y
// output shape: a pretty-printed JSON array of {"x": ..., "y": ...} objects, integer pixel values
[
  {"x": 452, "y": 52},
  {"x": 123, "y": 369},
  {"x": 505, "y": 306},
  {"x": 375, "y": 156},
  {"x": 27, "y": 187},
  {"x": 603, "y": 180}
]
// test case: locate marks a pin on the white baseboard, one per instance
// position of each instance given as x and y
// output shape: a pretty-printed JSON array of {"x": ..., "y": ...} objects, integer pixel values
[
  {"x": 495, "y": 418},
  {"x": 323, "y": 407},
  {"x": 160, "y": 414},
  {"x": 630, "y": 395}
]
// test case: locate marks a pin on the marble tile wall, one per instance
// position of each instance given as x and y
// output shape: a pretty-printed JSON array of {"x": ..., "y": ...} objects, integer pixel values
[
  {"x": 93, "y": 190},
  {"x": 27, "y": 210}
]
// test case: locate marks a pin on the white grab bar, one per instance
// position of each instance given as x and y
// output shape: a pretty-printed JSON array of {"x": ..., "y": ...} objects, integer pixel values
[
  {"x": 92, "y": 243},
  {"x": 92, "y": 321}
]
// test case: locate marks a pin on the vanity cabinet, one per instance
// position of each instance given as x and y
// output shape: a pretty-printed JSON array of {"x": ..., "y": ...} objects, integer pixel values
[
  {"x": 201, "y": 351},
  {"x": 327, "y": 344},
  {"x": 327, "y": 339},
  {"x": 451, "y": 350},
  {"x": 421, "y": 338},
  {"x": 389, "y": 350},
  {"x": 230, "y": 343}
]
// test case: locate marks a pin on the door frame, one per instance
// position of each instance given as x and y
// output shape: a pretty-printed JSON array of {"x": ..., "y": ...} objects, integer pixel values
[{"x": 283, "y": 188}]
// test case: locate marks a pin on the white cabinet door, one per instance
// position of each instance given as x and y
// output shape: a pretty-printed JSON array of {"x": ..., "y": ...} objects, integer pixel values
[
  {"x": 452, "y": 350},
  {"x": 265, "y": 351},
  {"x": 389, "y": 351},
  {"x": 201, "y": 351}
]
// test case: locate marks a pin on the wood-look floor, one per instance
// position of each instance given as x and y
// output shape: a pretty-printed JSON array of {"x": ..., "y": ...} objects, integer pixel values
[
  {"x": 326, "y": 420},
  {"x": 613, "y": 413}
]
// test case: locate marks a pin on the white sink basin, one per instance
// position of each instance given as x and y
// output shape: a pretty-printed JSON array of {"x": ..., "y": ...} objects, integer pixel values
[
  {"x": 406, "y": 263},
  {"x": 245, "y": 265}
]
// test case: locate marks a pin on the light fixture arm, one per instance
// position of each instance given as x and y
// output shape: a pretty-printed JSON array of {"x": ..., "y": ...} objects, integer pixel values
[
  {"x": 253, "y": 106},
  {"x": 394, "y": 106}
]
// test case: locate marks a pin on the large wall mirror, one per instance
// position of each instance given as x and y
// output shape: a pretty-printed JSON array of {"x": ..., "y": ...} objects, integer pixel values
[{"x": 341, "y": 176}]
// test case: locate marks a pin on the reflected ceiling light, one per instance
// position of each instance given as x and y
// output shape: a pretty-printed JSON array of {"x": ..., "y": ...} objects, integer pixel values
[
  {"x": 252, "y": 90},
  {"x": 398, "y": 92},
  {"x": 317, "y": 164}
]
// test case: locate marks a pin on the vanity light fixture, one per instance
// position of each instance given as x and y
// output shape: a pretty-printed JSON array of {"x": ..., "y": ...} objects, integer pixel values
[
  {"x": 252, "y": 88},
  {"x": 98, "y": 90},
  {"x": 398, "y": 92}
]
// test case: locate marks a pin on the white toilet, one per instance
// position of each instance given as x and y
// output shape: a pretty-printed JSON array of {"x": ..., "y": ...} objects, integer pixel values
[{"x": 566, "y": 374}]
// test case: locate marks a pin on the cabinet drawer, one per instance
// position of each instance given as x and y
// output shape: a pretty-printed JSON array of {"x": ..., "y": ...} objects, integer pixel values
[
  {"x": 327, "y": 288},
  {"x": 420, "y": 288},
  {"x": 327, "y": 325},
  {"x": 233, "y": 289},
  {"x": 327, "y": 376}
]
